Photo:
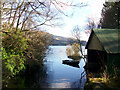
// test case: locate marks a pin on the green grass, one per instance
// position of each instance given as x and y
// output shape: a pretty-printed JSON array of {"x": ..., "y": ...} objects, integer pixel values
[{"x": 98, "y": 83}]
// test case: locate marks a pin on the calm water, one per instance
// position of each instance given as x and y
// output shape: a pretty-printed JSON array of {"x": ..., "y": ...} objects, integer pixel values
[{"x": 54, "y": 74}]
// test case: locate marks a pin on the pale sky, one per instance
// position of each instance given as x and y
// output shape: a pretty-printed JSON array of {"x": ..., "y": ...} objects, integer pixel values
[{"x": 79, "y": 17}]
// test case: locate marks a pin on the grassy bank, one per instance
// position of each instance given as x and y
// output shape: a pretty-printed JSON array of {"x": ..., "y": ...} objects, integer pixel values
[{"x": 104, "y": 82}]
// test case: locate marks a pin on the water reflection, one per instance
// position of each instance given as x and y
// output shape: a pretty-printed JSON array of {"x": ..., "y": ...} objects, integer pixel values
[
  {"x": 62, "y": 75},
  {"x": 53, "y": 74},
  {"x": 33, "y": 79}
]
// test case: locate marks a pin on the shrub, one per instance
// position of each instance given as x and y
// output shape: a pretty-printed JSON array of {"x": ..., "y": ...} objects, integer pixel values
[
  {"x": 38, "y": 42},
  {"x": 13, "y": 58},
  {"x": 74, "y": 50}
]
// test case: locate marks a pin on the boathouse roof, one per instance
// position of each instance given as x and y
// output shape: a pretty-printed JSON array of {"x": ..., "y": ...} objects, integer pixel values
[{"x": 104, "y": 40}]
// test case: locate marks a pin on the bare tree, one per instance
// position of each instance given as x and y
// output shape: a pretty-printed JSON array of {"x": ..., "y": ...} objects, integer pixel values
[
  {"x": 29, "y": 15},
  {"x": 77, "y": 34},
  {"x": 91, "y": 24}
]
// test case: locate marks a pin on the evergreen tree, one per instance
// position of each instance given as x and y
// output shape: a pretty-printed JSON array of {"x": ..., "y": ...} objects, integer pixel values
[{"x": 111, "y": 15}]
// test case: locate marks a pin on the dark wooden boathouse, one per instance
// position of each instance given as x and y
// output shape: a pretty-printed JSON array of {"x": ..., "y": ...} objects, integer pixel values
[{"x": 103, "y": 50}]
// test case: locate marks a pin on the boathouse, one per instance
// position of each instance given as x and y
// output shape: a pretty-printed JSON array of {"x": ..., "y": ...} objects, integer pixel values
[{"x": 103, "y": 49}]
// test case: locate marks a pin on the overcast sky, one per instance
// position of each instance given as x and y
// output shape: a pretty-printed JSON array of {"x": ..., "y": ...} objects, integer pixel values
[{"x": 79, "y": 17}]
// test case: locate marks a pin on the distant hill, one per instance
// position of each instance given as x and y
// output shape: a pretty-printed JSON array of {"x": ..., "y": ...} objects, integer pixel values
[{"x": 59, "y": 40}]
